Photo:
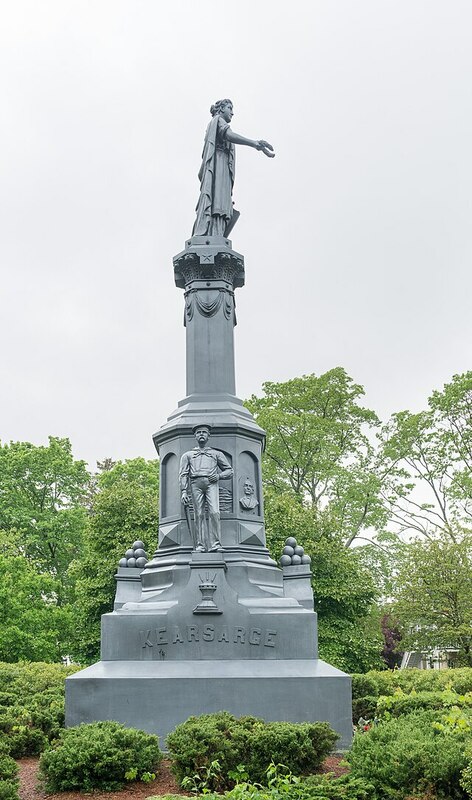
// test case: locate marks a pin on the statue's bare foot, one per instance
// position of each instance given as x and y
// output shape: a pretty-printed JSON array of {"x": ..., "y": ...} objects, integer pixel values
[{"x": 217, "y": 548}]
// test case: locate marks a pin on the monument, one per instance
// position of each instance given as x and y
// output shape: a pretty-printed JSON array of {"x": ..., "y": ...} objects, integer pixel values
[{"x": 211, "y": 621}]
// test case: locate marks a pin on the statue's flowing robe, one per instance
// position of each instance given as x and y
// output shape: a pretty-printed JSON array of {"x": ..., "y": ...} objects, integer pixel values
[{"x": 216, "y": 180}]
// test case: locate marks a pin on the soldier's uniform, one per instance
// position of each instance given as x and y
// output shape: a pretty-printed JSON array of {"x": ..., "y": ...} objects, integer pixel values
[{"x": 200, "y": 471}]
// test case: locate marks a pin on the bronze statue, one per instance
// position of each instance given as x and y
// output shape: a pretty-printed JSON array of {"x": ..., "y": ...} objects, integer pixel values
[
  {"x": 200, "y": 472},
  {"x": 216, "y": 215}
]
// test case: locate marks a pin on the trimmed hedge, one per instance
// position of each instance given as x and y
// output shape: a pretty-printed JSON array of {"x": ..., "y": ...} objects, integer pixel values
[
  {"x": 8, "y": 774},
  {"x": 100, "y": 755},
  {"x": 399, "y": 703},
  {"x": 31, "y": 705},
  {"x": 248, "y": 741},
  {"x": 414, "y": 688},
  {"x": 421, "y": 680},
  {"x": 410, "y": 755}
]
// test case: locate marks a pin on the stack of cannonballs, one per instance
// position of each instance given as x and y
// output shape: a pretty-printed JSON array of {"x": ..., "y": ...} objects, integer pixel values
[
  {"x": 293, "y": 554},
  {"x": 136, "y": 556}
]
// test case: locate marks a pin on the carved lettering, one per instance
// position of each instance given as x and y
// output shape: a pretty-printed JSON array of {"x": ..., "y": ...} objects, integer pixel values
[
  {"x": 145, "y": 639},
  {"x": 208, "y": 633},
  {"x": 269, "y": 638},
  {"x": 161, "y": 636},
  {"x": 192, "y": 633},
  {"x": 255, "y": 636},
  {"x": 239, "y": 635},
  {"x": 177, "y": 637},
  {"x": 223, "y": 637}
]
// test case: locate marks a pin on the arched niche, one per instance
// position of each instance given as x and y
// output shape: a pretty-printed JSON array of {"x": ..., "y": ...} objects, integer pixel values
[
  {"x": 225, "y": 490},
  {"x": 170, "y": 491},
  {"x": 248, "y": 484}
]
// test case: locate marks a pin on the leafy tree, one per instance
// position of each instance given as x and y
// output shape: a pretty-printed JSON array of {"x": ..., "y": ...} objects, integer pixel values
[
  {"x": 429, "y": 459},
  {"x": 344, "y": 591},
  {"x": 318, "y": 449},
  {"x": 434, "y": 595},
  {"x": 391, "y": 653},
  {"x": 124, "y": 509},
  {"x": 32, "y": 626},
  {"x": 41, "y": 498}
]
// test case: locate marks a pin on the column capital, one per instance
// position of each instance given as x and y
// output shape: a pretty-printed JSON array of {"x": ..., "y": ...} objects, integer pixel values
[{"x": 208, "y": 258}]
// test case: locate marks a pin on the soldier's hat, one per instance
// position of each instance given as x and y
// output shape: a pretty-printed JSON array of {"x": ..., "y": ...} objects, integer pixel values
[{"x": 202, "y": 425}]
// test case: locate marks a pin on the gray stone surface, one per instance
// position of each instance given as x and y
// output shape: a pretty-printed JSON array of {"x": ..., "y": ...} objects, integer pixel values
[
  {"x": 297, "y": 584},
  {"x": 128, "y": 585},
  {"x": 157, "y": 696}
]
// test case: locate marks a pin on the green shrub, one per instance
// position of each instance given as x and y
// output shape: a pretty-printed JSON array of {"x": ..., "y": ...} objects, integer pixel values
[
  {"x": 222, "y": 739},
  {"x": 364, "y": 686},
  {"x": 301, "y": 746},
  {"x": 466, "y": 777},
  {"x": 98, "y": 756},
  {"x": 21, "y": 736},
  {"x": 461, "y": 680},
  {"x": 31, "y": 705},
  {"x": 364, "y": 707},
  {"x": 8, "y": 767},
  {"x": 8, "y": 790},
  {"x": 27, "y": 678},
  {"x": 409, "y": 754},
  {"x": 281, "y": 785},
  {"x": 420, "y": 680},
  {"x": 399, "y": 703},
  {"x": 8, "y": 773},
  {"x": 322, "y": 787}
]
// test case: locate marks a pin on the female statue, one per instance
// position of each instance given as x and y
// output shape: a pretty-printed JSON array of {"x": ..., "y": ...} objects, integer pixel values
[{"x": 215, "y": 213}]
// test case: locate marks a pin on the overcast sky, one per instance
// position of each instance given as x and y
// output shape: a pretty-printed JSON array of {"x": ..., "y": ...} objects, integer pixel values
[{"x": 357, "y": 237}]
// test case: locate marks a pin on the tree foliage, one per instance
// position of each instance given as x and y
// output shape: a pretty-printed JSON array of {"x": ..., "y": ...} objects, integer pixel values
[
  {"x": 434, "y": 596},
  {"x": 318, "y": 449},
  {"x": 32, "y": 626},
  {"x": 344, "y": 591},
  {"x": 42, "y": 491},
  {"x": 124, "y": 509},
  {"x": 428, "y": 457}
]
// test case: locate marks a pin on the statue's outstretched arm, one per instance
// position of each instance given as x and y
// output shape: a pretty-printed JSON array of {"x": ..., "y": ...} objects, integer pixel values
[{"x": 258, "y": 144}]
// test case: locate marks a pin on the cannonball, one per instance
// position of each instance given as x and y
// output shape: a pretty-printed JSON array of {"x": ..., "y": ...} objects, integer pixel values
[
  {"x": 139, "y": 545},
  {"x": 288, "y": 551},
  {"x": 306, "y": 559},
  {"x": 299, "y": 551},
  {"x": 129, "y": 554},
  {"x": 141, "y": 562},
  {"x": 291, "y": 541},
  {"x": 131, "y": 562},
  {"x": 123, "y": 562},
  {"x": 295, "y": 560},
  {"x": 139, "y": 553},
  {"x": 285, "y": 561}
]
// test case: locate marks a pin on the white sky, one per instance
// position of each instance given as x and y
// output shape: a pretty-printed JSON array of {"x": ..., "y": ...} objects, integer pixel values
[{"x": 357, "y": 237}]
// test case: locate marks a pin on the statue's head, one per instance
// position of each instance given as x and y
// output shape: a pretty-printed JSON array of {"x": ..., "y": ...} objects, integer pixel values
[
  {"x": 202, "y": 433},
  {"x": 248, "y": 487},
  {"x": 224, "y": 108}
]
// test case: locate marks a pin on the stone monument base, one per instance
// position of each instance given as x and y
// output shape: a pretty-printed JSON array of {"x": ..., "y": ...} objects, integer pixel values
[{"x": 157, "y": 696}]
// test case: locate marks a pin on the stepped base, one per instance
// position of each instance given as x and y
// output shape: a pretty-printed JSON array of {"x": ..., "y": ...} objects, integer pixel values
[{"x": 157, "y": 696}]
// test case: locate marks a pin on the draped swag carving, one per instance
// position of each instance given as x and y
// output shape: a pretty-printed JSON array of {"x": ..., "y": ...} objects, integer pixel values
[{"x": 208, "y": 303}]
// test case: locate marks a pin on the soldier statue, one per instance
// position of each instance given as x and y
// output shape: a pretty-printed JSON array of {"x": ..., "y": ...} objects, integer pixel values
[{"x": 200, "y": 472}]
